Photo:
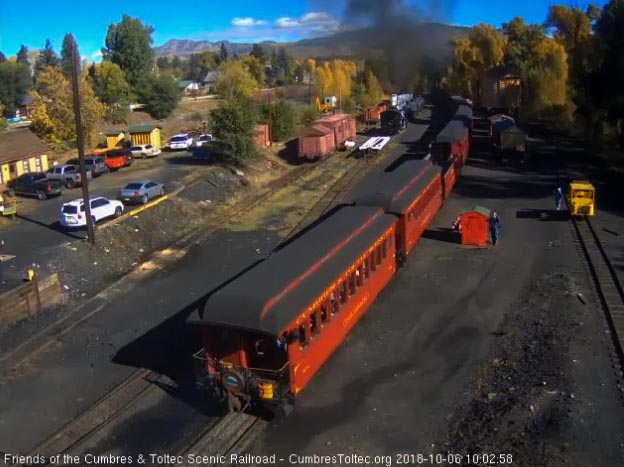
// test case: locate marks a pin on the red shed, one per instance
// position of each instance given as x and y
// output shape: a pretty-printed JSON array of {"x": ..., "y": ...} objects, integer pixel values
[
  {"x": 316, "y": 142},
  {"x": 474, "y": 226}
]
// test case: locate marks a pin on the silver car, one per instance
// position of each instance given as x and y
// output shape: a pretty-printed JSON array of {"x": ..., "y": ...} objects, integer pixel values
[{"x": 141, "y": 191}]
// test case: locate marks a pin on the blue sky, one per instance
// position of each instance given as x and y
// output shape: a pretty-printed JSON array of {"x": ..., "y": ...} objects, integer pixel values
[{"x": 234, "y": 20}]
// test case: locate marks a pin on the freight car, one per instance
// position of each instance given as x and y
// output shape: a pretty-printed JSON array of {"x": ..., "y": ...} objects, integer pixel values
[
  {"x": 393, "y": 121},
  {"x": 267, "y": 332},
  {"x": 326, "y": 135}
]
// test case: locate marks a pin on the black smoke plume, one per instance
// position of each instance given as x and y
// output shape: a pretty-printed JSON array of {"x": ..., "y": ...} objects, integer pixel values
[{"x": 404, "y": 43}]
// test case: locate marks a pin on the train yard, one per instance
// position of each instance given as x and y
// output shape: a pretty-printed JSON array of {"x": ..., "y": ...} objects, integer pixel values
[{"x": 446, "y": 360}]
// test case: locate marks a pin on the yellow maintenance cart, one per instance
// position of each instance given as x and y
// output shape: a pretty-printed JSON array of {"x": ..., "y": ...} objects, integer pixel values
[{"x": 581, "y": 198}]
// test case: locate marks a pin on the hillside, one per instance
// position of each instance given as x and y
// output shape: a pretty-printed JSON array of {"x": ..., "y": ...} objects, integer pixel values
[{"x": 428, "y": 39}]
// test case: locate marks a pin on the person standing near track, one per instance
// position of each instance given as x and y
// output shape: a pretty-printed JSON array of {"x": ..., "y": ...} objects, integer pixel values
[
  {"x": 495, "y": 225},
  {"x": 559, "y": 198}
]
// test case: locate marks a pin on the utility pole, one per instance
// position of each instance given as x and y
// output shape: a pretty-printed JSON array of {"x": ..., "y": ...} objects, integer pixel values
[
  {"x": 80, "y": 141},
  {"x": 270, "y": 121}
]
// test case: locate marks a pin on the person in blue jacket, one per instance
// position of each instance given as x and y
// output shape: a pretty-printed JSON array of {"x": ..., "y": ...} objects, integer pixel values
[{"x": 495, "y": 225}]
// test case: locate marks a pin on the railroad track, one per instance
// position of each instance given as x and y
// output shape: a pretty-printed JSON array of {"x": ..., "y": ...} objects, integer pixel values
[
  {"x": 608, "y": 285},
  {"x": 101, "y": 414},
  {"x": 330, "y": 198},
  {"x": 234, "y": 433}
]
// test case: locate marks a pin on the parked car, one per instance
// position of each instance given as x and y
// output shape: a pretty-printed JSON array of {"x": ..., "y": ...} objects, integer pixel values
[
  {"x": 203, "y": 139},
  {"x": 36, "y": 184},
  {"x": 94, "y": 164},
  {"x": 118, "y": 158},
  {"x": 180, "y": 141},
  {"x": 68, "y": 174},
  {"x": 144, "y": 150},
  {"x": 73, "y": 212},
  {"x": 141, "y": 191},
  {"x": 203, "y": 153}
]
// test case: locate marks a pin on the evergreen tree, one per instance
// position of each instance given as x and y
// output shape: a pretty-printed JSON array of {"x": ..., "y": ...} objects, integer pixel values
[
  {"x": 66, "y": 55},
  {"x": 129, "y": 45},
  {"x": 258, "y": 52},
  {"x": 223, "y": 53},
  {"x": 22, "y": 55},
  {"x": 233, "y": 124},
  {"x": 2, "y": 57},
  {"x": 47, "y": 57},
  {"x": 163, "y": 63}
]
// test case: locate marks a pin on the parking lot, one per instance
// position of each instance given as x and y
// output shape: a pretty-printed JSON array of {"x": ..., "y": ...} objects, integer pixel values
[{"x": 37, "y": 228}]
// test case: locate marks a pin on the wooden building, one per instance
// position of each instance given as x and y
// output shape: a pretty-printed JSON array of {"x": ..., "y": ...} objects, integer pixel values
[
  {"x": 21, "y": 151},
  {"x": 500, "y": 88},
  {"x": 145, "y": 134},
  {"x": 114, "y": 138}
]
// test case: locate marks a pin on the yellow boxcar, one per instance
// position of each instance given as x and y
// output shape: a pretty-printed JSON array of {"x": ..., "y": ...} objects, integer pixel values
[{"x": 581, "y": 198}]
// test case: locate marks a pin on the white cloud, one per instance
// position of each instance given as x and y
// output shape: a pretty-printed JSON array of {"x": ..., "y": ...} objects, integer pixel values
[
  {"x": 247, "y": 22},
  {"x": 318, "y": 21}
]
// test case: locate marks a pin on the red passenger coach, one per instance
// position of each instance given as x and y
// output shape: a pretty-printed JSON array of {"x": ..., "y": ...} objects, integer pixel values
[
  {"x": 452, "y": 143},
  {"x": 413, "y": 193},
  {"x": 269, "y": 331}
]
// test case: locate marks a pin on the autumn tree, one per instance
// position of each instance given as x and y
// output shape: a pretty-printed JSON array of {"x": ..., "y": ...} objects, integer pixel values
[
  {"x": 235, "y": 81},
  {"x": 255, "y": 68},
  {"x": 159, "y": 93},
  {"x": 374, "y": 92},
  {"x": 111, "y": 87},
  {"x": 53, "y": 111},
  {"x": 473, "y": 53},
  {"x": 607, "y": 82},
  {"x": 66, "y": 55},
  {"x": 129, "y": 45},
  {"x": 572, "y": 28},
  {"x": 543, "y": 66}
]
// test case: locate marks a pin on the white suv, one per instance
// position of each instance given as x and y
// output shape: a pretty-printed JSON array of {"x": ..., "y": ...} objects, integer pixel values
[
  {"x": 73, "y": 212},
  {"x": 144, "y": 150},
  {"x": 181, "y": 141}
]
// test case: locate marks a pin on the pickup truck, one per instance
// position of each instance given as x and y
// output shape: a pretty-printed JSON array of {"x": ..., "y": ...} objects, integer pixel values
[
  {"x": 36, "y": 184},
  {"x": 68, "y": 174}
]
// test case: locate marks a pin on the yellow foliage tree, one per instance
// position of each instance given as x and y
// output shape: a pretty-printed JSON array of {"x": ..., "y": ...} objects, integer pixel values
[
  {"x": 311, "y": 66},
  {"x": 472, "y": 54},
  {"x": 548, "y": 76},
  {"x": 53, "y": 112},
  {"x": 235, "y": 81}
]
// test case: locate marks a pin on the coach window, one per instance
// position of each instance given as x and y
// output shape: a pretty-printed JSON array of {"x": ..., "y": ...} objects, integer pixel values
[
  {"x": 366, "y": 267},
  {"x": 335, "y": 306},
  {"x": 324, "y": 315},
  {"x": 384, "y": 252},
  {"x": 359, "y": 275},
  {"x": 352, "y": 283},
  {"x": 303, "y": 335},
  {"x": 372, "y": 262},
  {"x": 343, "y": 292},
  {"x": 378, "y": 254},
  {"x": 313, "y": 324}
]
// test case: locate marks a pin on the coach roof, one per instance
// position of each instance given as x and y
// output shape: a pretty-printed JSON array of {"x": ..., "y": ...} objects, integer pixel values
[
  {"x": 272, "y": 294},
  {"x": 396, "y": 190},
  {"x": 454, "y": 132}
]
